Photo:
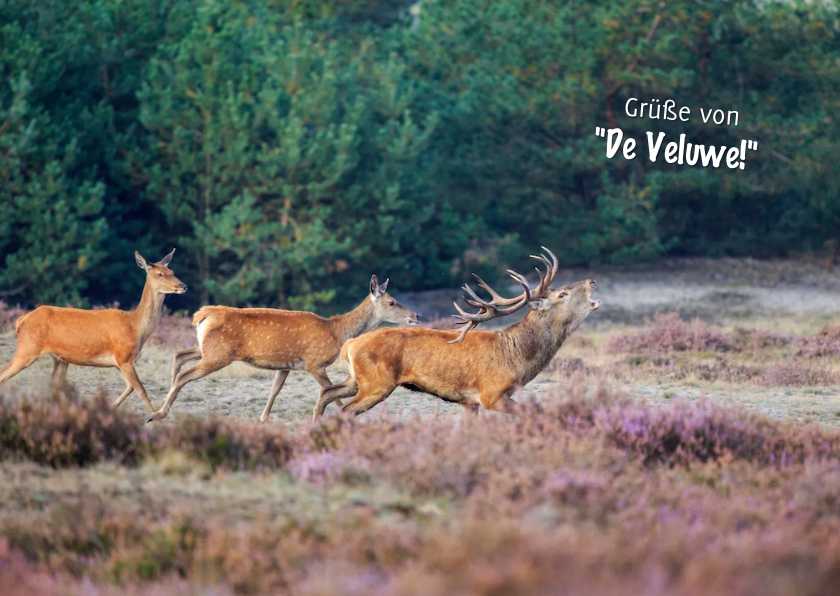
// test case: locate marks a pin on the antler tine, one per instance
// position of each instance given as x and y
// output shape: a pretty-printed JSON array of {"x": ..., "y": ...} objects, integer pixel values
[
  {"x": 496, "y": 298},
  {"x": 522, "y": 282},
  {"x": 555, "y": 265},
  {"x": 551, "y": 268},
  {"x": 498, "y": 306},
  {"x": 542, "y": 277},
  {"x": 464, "y": 331},
  {"x": 465, "y": 316},
  {"x": 476, "y": 302}
]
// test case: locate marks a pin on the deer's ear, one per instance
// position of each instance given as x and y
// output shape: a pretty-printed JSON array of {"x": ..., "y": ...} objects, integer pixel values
[
  {"x": 141, "y": 262},
  {"x": 541, "y": 304},
  {"x": 374, "y": 287},
  {"x": 165, "y": 260},
  {"x": 384, "y": 286}
]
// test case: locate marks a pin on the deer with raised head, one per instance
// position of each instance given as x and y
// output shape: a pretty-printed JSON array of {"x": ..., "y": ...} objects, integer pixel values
[
  {"x": 280, "y": 340},
  {"x": 471, "y": 369},
  {"x": 101, "y": 338}
]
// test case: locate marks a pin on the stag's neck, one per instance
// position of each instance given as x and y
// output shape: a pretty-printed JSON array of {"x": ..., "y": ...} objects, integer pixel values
[
  {"x": 532, "y": 343},
  {"x": 147, "y": 314},
  {"x": 356, "y": 322}
]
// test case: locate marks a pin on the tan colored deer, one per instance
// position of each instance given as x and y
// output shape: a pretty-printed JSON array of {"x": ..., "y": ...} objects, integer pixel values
[
  {"x": 281, "y": 340},
  {"x": 100, "y": 338},
  {"x": 470, "y": 369}
]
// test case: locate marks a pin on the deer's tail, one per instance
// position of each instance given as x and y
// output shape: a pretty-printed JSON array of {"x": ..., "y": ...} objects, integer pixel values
[
  {"x": 201, "y": 315},
  {"x": 19, "y": 321}
]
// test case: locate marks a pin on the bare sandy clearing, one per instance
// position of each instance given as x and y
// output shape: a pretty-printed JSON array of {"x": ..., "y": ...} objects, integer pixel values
[{"x": 781, "y": 295}]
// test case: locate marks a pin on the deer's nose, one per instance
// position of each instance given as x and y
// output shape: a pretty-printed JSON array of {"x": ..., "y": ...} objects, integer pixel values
[
  {"x": 592, "y": 283},
  {"x": 184, "y": 287}
]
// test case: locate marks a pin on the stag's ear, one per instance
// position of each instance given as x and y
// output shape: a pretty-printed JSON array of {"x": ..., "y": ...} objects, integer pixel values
[
  {"x": 374, "y": 287},
  {"x": 541, "y": 304},
  {"x": 165, "y": 260},
  {"x": 384, "y": 286},
  {"x": 141, "y": 262}
]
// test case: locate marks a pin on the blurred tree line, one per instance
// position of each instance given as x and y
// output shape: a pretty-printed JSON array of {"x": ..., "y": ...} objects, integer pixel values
[{"x": 290, "y": 148}]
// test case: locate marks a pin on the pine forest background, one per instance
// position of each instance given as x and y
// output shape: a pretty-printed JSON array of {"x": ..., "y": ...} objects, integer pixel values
[{"x": 289, "y": 149}]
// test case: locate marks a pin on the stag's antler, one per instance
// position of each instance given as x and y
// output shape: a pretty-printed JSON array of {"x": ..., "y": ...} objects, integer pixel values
[{"x": 495, "y": 307}]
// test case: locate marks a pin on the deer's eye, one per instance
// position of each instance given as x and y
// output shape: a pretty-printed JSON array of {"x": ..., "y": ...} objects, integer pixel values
[
  {"x": 562, "y": 295},
  {"x": 160, "y": 274},
  {"x": 391, "y": 303}
]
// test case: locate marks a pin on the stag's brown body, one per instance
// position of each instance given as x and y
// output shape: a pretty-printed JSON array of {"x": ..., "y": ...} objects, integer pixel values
[
  {"x": 280, "y": 340},
  {"x": 100, "y": 338},
  {"x": 482, "y": 370}
]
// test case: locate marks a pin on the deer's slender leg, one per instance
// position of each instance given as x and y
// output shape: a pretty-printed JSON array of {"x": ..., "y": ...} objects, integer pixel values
[
  {"x": 59, "y": 375},
  {"x": 123, "y": 395},
  {"x": 331, "y": 393},
  {"x": 181, "y": 358},
  {"x": 470, "y": 408},
  {"x": 131, "y": 378},
  {"x": 204, "y": 368},
  {"x": 276, "y": 386},
  {"x": 320, "y": 375},
  {"x": 21, "y": 360}
]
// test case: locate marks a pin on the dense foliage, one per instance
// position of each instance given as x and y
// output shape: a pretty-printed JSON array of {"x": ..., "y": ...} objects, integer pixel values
[{"x": 291, "y": 149}]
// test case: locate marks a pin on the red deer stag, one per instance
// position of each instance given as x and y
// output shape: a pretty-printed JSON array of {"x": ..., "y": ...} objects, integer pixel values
[
  {"x": 100, "y": 338},
  {"x": 280, "y": 340},
  {"x": 470, "y": 369}
]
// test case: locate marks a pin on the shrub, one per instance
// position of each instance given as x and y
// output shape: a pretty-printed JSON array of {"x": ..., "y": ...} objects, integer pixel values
[
  {"x": 669, "y": 333},
  {"x": 63, "y": 432}
]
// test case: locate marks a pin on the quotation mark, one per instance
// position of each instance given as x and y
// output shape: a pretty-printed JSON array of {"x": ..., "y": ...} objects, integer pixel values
[
  {"x": 600, "y": 132},
  {"x": 752, "y": 145}
]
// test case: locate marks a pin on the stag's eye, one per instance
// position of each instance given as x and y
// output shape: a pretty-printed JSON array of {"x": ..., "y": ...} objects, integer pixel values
[
  {"x": 562, "y": 295},
  {"x": 391, "y": 303},
  {"x": 160, "y": 274}
]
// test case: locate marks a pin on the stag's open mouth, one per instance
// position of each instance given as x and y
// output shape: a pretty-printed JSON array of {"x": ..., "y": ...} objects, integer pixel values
[{"x": 594, "y": 304}]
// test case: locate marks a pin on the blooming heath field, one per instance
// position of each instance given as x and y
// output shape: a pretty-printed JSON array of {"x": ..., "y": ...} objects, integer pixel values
[{"x": 683, "y": 442}]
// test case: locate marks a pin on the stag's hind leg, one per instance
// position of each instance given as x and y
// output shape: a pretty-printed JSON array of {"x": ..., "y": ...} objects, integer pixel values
[
  {"x": 331, "y": 393},
  {"x": 365, "y": 400}
]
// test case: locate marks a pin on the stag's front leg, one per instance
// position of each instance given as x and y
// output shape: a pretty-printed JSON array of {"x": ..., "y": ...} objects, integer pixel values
[{"x": 499, "y": 401}]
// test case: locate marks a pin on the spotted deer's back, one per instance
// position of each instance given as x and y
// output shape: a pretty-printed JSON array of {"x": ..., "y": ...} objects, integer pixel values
[{"x": 279, "y": 339}]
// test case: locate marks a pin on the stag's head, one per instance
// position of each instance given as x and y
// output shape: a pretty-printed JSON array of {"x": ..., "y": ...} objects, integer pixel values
[
  {"x": 567, "y": 306},
  {"x": 160, "y": 276},
  {"x": 386, "y": 309}
]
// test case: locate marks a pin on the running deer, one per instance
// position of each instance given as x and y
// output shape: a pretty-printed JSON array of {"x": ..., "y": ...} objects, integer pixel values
[
  {"x": 471, "y": 369},
  {"x": 101, "y": 338},
  {"x": 280, "y": 340}
]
